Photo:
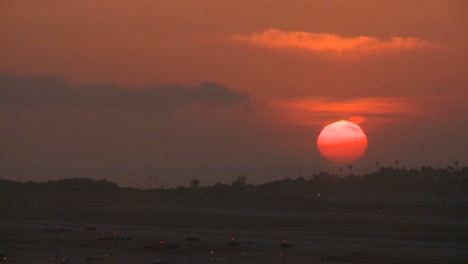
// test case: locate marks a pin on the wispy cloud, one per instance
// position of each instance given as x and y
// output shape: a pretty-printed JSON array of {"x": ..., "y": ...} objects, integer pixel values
[
  {"x": 317, "y": 111},
  {"x": 330, "y": 43}
]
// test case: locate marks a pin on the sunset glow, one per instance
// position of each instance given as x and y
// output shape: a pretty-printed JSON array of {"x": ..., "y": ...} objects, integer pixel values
[
  {"x": 283, "y": 131},
  {"x": 219, "y": 89}
]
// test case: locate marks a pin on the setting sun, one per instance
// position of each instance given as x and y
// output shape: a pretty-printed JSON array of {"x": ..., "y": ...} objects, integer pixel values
[{"x": 342, "y": 141}]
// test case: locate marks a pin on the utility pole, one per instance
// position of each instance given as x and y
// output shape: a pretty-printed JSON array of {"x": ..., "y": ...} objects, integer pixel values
[
  {"x": 190, "y": 239},
  {"x": 232, "y": 244},
  {"x": 284, "y": 246},
  {"x": 90, "y": 229},
  {"x": 57, "y": 230},
  {"x": 115, "y": 237}
]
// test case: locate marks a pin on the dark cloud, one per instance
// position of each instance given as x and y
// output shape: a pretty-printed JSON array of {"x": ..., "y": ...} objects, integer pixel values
[{"x": 47, "y": 91}]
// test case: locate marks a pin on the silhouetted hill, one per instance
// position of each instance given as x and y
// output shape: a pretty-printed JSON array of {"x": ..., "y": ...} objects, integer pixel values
[{"x": 386, "y": 188}]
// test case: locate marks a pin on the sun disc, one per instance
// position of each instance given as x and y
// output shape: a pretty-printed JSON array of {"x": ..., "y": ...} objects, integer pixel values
[{"x": 342, "y": 142}]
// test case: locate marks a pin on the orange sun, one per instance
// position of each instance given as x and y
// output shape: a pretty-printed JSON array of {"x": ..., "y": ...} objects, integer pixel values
[{"x": 342, "y": 142}]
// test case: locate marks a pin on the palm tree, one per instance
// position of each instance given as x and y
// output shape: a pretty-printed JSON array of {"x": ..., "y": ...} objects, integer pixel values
[
  {"x": 194, "y": 183},
  {"x": 149, "y": 180}
]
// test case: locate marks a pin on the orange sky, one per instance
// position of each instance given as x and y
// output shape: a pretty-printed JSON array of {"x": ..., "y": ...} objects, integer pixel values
[{"x": 399, "y": 67}]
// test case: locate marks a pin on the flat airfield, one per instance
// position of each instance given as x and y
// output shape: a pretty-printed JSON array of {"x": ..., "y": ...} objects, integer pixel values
[{"x": 315, "y": 236}]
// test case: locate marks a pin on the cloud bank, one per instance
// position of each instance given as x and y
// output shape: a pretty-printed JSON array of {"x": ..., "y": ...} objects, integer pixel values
[
  {"x": 47, "y": 91},
  {"x": 330, "y": 43}
]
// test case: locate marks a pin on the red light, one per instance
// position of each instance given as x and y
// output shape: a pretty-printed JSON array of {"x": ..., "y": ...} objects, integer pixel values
[
  {"x": 284, "y": 241},
  {"x": 57, "y": 226},
  {"x": 161, "y": 242},
  {"x": 232, "y": 238},
  {"x": 115, "y": 233}
]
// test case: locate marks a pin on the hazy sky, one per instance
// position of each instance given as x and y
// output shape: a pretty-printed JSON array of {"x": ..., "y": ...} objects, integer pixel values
[{"x": 216, "y": 89}]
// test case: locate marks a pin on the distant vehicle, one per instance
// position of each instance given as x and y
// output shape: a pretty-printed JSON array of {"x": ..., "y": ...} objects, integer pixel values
[
  {"x": 166, "y": 261},
  {"x": 2, "y": 257},
  {"x": 217, "y": 260},
  {"x": 95, "y": 258}
]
